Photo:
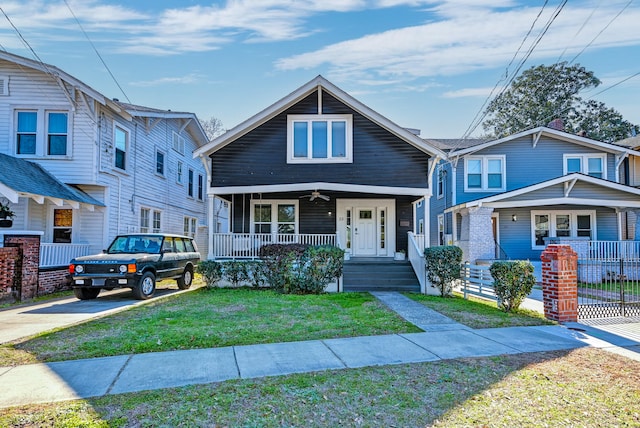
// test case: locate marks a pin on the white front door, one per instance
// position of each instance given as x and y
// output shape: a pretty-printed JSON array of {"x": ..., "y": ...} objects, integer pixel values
[{"x": 365, "y": 233}]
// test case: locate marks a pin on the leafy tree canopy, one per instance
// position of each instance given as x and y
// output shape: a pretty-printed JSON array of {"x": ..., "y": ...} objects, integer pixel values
[{"x": 543, "y": 93}]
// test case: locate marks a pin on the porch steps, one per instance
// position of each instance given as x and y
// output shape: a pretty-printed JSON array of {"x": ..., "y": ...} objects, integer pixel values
[{"x": 379, "y": 274}]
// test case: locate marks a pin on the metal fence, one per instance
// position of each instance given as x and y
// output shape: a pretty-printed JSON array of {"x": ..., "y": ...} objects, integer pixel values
[{"x": 608, "y": 279}]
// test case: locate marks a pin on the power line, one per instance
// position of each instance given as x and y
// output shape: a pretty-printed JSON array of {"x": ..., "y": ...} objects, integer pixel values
[{"x": 97, "y": 53}]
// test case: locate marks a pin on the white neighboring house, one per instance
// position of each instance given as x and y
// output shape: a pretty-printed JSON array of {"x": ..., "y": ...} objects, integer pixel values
[{"x": 96, "y": 167}]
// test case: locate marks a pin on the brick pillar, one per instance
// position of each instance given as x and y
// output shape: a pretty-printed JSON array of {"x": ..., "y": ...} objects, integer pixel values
[
  {"x": 560, "y": 283},
  {"x": 30, "y": 265}
]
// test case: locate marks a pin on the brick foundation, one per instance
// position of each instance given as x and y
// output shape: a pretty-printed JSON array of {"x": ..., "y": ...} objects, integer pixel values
[
  {"x": 560, "y": 283},
  {"x": 52, "y": 280}
]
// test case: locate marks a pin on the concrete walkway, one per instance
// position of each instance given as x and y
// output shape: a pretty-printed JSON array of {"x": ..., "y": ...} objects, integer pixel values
[{"x": 443, "y": 339}]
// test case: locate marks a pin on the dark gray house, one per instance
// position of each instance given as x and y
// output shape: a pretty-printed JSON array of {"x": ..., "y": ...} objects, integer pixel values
[{"x": 318, "y": 166}]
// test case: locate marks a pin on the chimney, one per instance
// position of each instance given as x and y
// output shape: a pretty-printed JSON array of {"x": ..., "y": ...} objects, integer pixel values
[{"x": 556, "y": 124}]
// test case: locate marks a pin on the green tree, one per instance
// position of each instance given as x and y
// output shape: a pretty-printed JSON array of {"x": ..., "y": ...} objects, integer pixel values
[{"x": 544, "y": 93}]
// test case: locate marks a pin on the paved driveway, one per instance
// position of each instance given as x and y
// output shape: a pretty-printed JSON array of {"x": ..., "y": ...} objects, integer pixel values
[{"x": 29, "y": 319}]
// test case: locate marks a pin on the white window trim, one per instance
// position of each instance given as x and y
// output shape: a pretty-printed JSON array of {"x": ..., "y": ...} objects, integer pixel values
[
  {"x": 148, "y": 226},
  {"x": 440, "y": 178},
  {"x": 180, "y": 173},
  {"x": 274, "y": 210},
  {"x": 152, "y": 221},
  {"x": 347, "y": 118},
  {"x": 441, "y": 230},
  {"x": 42, "y": 131},
  {"x": 485, "y": 172},
  {"x": 552, "y": 224},
  {"x": 126, "y": 146},
  {"x": 155, "y": 163},
  {"x": 584, "y": 162}
]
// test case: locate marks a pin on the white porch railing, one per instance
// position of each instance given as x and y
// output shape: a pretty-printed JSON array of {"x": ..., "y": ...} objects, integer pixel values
[
  {"x": 416, "y": 257},
  {"x": 52, "y": 255},
  {"x": 247, "y": 245}
]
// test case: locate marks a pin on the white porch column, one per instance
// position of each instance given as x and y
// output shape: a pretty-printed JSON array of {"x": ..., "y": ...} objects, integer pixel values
[
  {"x": 211, "y": 213},
  {"x": 427, "y": 222},
  {"x": 476, "y": 234}
]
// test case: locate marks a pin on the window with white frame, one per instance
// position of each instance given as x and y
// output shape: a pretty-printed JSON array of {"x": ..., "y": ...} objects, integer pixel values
[
  {"x": 440, "y": 229},
  {"x": 319, "y": 138},
  {"x": 200, "y": 187},
  {"x": 157, "y": 224},
  {"x": 159, "y": 162},
  {"x": 190, "y": 183},
  {"x": 440, "y": 184},
  {"x": 178, "y": 143},
  {"x": 62, "y": 225},
  {"x": 179, "y": 173},
  {"x": 485, "y": 173},
  {"x": 42, "y": 132},
  {"x": 546, "y": 224},
  {"x": 190, "y": 226},
  {"x": 589, "y": 164},
  {"x": 121, "y": 143},
  {"x": 274, "y": 217},
  {"x": 144, "y": 220}
]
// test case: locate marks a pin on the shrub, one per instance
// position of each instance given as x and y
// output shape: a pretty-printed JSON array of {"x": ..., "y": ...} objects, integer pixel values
[
  {"x": 301, "y": 269},
  {"x": 443, "y": 266},
  {"x": 256, "y": 274},
  {"x": 512, "y": 282},
  {"x": 211, "y": 272},
  {"x": 235, "y": 271}
]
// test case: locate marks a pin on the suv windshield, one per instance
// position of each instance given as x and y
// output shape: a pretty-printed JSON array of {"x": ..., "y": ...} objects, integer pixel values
[{"x": 136, "y": 244}]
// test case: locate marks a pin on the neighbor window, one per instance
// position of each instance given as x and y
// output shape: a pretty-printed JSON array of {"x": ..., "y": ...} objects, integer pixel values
[
  {"x": 179, "y": 173},
  {"x": 190, "y": 184},
  {"x": 589, "y": 164},
  {"x": 561, "y": 224},
  {"x": 440, "y": 185},
  {"x": 319, "y": 138},
  {"x": 157, "y": 224},
  {"x": 121, "y": 142},
  {"x": 42, "y": 132},
  {"x": 275, "y": 216},
  {"x": 159, "y": 162},
  {"x": 200, "y": 187},
  {"x": 178, "y": 143},
  {"x": 144, "y": 220},
  {"x": 62, "y": 226},
  {"x": 57, "y": 133},
  {"x": 190, "y": 225},
  {"x": 484, "y": 173}
]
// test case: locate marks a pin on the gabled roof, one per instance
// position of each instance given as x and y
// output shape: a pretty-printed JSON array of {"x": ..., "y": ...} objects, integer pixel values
[
  {"x": 190, "y": 120},
  {"x": 22, "y": 178},
  {"x": 57, "y": 73},
  {"x": 299, "y": 94},
  {"x": 502, "y": 200},
  {"x": 631, "y": 142},
  {"x": 536, "y": 133}
]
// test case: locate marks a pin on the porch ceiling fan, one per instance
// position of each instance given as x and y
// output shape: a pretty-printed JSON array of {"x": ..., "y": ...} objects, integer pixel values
[{"x": 315, "y": 195}]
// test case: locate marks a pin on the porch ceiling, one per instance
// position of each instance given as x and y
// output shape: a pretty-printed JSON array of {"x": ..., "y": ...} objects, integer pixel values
[{"x": 322, "y": 186}]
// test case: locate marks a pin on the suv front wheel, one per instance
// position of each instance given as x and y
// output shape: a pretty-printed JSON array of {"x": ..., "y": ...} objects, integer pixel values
[
  {"x": 145, "y": 288},
  {"x": 86, "y": 293}
]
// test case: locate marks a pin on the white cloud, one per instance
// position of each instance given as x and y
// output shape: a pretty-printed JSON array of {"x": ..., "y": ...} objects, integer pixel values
[
  {"x": 470, "y": 92},
  {"x": 181, "y": 80},
  {"x": 461, "y": 43}
]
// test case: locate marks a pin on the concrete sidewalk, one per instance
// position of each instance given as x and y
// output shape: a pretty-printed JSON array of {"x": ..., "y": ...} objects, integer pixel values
[{"x": 444, "y": 339}]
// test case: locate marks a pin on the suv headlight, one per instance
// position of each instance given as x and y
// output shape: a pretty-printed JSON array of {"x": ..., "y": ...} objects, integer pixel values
[
  {"x": 79, "y": 268},
  {"x": 123, "y": 268}
]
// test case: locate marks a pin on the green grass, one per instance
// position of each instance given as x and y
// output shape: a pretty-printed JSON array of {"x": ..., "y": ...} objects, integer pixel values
[
  {"x": 479, "y": 313},
  {"x": 207, "y": 318},
  {"x": 585, "y": 387}
]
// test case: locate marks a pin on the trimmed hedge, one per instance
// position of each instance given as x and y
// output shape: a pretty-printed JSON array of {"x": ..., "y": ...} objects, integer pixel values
[
  {"x": 443, "y": 265},
  {"x": 512, "y": 282}
]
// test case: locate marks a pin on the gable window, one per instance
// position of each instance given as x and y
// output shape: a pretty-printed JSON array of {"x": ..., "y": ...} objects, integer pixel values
[
  {"x": 159, "y": 162},
  {"x": 57, "y": 133},
  {"x": 178, "y": 143},
  {"x": 319, "y": 138},
  {"x": 561, "y": 224},
  {"x": 4, "y": 85},
  {"x": 190, "y": 184},
  {"x": 484, "y": 173},
  {"x": 589, "y": 164},
  {"x": 274, "y": 217},
  {"x": 121, "y": 142}
]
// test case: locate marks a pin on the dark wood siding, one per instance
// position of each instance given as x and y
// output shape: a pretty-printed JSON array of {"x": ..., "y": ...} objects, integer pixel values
[{"x": 260, "y": 157}]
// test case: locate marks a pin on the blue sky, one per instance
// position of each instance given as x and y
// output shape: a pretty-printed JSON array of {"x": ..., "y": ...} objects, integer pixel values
[{"x": 424, "y": 64}]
